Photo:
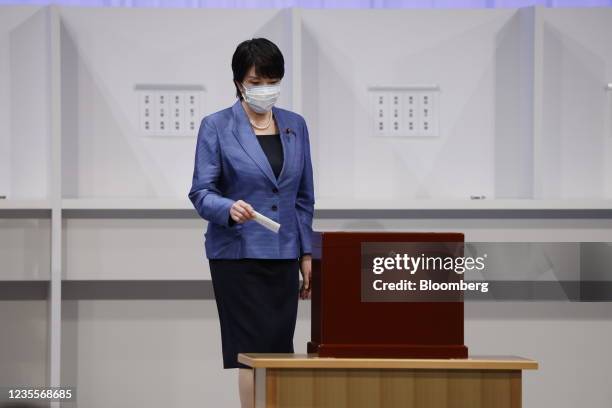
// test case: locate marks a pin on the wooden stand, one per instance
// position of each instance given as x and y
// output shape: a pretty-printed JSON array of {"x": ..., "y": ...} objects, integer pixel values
[{"x": 305, "y": 380}]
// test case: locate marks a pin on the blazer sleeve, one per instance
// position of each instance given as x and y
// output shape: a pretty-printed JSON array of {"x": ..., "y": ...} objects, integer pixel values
[
  {"x": 305, "y": 200},
  {"x": 204, "y": 193}
]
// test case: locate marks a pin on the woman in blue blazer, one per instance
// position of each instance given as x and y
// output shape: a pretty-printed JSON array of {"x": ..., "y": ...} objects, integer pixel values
[{"x": 254, "y": 156}]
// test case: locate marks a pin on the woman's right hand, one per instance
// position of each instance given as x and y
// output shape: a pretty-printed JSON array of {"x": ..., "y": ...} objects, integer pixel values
[{"x": 242, "y": 211}]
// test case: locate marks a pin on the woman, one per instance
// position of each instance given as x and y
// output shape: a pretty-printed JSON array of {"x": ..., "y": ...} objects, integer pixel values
[{"x": 254, "y": 156}]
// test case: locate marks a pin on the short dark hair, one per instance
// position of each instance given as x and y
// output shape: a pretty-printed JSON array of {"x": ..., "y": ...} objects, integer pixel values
[{"x": 261, "y": 53}]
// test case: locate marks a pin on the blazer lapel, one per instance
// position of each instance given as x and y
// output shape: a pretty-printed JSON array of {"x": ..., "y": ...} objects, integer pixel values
[
  {"x": 287, "y": 136},
  {"x": 246, "y": 137}
]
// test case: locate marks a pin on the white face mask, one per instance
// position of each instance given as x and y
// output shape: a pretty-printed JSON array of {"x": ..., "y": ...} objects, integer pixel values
[{"x": 261, "y": 98}]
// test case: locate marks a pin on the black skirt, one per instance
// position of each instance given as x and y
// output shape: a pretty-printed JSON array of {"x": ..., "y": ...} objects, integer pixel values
[{"x": 257, "y": 301}]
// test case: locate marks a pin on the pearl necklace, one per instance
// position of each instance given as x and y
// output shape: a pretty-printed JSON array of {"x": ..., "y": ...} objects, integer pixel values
[{"x": 262, "y": 127}]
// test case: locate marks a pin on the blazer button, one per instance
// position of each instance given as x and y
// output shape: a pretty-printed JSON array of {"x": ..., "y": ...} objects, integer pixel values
[
  {"x": 275, "y": 190},
  {"x": 274, "y": 207}
]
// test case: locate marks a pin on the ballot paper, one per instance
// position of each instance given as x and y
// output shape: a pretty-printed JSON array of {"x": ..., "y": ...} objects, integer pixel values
[{"x": 266, "y": 222}]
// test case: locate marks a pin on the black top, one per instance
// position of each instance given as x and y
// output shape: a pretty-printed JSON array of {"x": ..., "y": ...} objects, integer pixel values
[{"x": 273, "y": 148}]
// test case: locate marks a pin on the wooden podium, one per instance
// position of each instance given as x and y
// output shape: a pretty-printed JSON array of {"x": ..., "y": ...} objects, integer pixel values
[
  {"x": 344, "y": 326},
  {"x": 371, "y": 354}
]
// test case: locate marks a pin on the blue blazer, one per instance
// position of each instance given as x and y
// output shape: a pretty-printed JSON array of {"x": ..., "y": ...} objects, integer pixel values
[{"x": 231, "y": 165}]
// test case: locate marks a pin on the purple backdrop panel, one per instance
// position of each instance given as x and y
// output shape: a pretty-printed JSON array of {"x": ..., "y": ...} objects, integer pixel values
[{"x": 320, "y": 3}]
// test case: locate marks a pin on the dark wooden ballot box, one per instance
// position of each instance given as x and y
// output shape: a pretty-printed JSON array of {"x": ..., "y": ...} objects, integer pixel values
[{"x": 344, "y": 326}]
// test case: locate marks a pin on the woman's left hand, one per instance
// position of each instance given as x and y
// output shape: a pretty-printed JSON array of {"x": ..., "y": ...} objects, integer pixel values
[{"x": 306, "y": 269}]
